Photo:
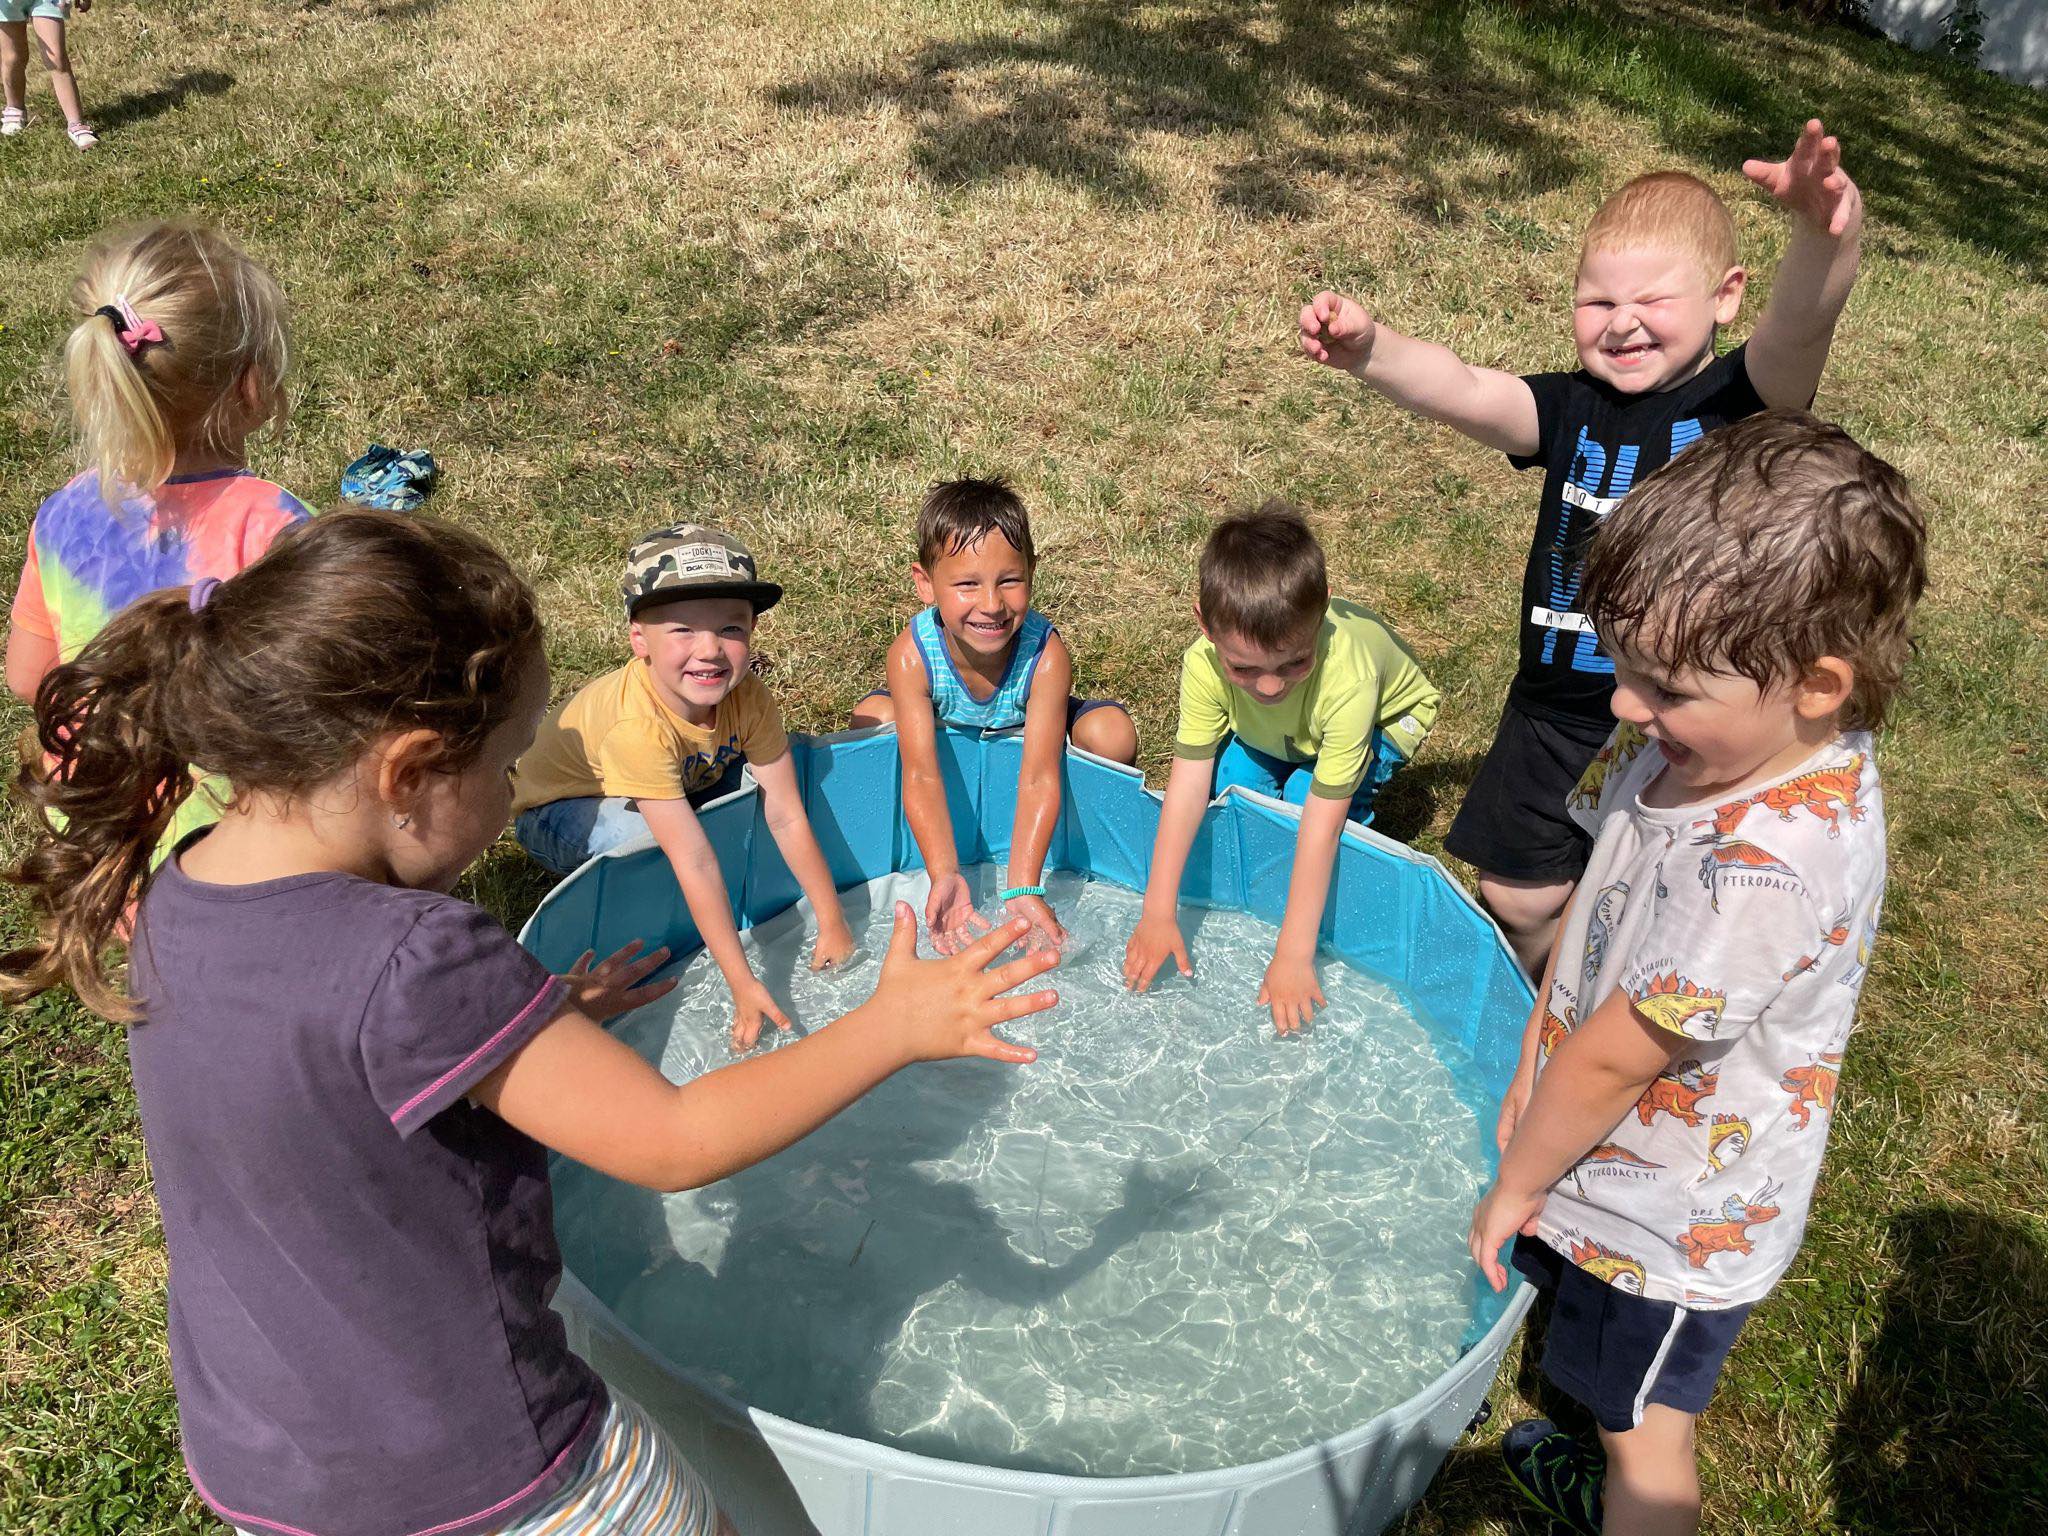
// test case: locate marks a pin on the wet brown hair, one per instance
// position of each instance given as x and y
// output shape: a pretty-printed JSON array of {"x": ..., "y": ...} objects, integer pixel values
[
  {"x": 1263, "y": 576},
  {"x": 349, "y": 627},
  {"x": 1762, "y": 548},
  {"x": 959, "y": 514}
]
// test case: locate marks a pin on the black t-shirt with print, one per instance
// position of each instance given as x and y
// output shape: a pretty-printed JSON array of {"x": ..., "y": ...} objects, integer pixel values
[{"x": 1596, "y": 443}]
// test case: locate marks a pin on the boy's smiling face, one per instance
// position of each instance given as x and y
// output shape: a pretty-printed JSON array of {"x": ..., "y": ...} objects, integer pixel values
[
  {"x": 982, "y": 592},
  {"x": 1267, "y": 672},
  {"x": 1720, "y": 731},
  {"x": 1644, "y": 317},
  {"x": 696, "y": 650}
]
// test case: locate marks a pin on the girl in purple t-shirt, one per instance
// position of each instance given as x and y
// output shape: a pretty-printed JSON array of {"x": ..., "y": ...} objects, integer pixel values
[{"x": 349, "y": 1079}]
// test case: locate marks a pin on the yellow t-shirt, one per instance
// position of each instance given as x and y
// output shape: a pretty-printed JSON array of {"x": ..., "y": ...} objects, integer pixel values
[
  {"x": 1363, "y": 680},
  {"x": 616, "y": 737}
]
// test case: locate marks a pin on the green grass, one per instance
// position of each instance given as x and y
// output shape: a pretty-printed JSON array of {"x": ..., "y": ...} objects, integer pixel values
[{"x": 779, "y": 266}]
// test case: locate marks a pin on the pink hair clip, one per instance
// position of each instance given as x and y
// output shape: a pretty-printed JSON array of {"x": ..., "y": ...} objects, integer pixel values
[{"x": 134, "y": 332}]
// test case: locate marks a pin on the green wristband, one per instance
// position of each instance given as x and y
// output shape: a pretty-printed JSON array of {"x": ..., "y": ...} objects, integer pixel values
[{"x": 1021, "y": 890}]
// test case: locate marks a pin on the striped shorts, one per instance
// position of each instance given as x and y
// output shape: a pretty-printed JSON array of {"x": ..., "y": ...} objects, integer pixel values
[{"x": 633, "y": 1482}]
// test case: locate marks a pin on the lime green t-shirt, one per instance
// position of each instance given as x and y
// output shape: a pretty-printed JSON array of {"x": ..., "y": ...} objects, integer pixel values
[{"x": 1364, "y": 680}]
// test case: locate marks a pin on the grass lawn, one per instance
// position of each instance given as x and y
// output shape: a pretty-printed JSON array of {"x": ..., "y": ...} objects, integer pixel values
[{"x": 780, "y": 265}]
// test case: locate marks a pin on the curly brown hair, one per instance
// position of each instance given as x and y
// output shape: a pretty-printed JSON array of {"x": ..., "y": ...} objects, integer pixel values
[
  {"x": 349, "y": 627},
  {"x": 1764, "y": 547}
]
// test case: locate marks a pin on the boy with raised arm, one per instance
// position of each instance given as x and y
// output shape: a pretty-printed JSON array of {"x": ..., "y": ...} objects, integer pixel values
[
  {"x": 1289, "y": 693},
  {"x": 1658, "y": 276},
  {"x": 1662, "y": 1135}
]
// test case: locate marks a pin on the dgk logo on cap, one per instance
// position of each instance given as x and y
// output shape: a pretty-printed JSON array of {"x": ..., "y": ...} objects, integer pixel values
[{"x": 692, "y": 561}]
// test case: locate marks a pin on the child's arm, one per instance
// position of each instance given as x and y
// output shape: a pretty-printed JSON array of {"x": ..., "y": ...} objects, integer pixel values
[
  {"x": 1790, "y": 346},
  {"x": 1595, "y": 1074},
  {"x": 1038, "y": 789},
  {"x": 575, "y": 1088},
  {"x": 29, "y": 657},
  {"x": 681, "y": 836},
  {"x": 1290, "y": 987},
  {"x": 949, "y": 913},
  {"x": 782, "y": 805},
  {"x": 1495, "y": 408},
  {"x": 1158, "y": 932}
]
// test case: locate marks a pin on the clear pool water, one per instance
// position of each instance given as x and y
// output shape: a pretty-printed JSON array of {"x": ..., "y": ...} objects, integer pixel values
[{"x": 1174, "y": 1243}]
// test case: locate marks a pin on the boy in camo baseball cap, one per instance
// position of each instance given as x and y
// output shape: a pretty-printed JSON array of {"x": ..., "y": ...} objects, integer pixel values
[{"x": 637, "y": 751}]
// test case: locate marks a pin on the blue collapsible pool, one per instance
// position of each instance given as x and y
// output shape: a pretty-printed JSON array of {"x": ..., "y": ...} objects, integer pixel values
[{"x": 1393, "y": 913}]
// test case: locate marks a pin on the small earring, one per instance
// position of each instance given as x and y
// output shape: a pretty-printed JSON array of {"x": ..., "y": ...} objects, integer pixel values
[{"x": 402, "y": 822}]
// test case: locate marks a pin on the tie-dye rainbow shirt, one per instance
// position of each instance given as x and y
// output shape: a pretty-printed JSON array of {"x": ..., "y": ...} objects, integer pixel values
[{"x": 86, "y": 562}]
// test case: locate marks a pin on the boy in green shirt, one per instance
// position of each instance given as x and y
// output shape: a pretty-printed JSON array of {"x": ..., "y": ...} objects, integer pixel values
[{"x": 1288, "y": 693}]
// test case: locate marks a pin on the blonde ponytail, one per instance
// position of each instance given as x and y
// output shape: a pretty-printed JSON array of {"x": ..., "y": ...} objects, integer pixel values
[{"x": 221, "y": 317}]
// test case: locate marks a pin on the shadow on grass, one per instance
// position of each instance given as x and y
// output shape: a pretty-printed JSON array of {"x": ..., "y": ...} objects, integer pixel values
[
  {"x": 1947, "y": 1426},
  {"x": 1409, "y": 802},
  {"x": 1453, "y": 94},
  {"x": 1073, "y": 103},
  {"x": 141, "y": 106}
]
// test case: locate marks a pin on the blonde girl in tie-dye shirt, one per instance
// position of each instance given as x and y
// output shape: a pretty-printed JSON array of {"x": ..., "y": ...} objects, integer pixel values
[{"x": 178, "y": 358}]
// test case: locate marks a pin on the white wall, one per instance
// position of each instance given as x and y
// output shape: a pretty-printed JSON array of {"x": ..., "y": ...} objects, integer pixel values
[{"x": 2015, "y": 32}]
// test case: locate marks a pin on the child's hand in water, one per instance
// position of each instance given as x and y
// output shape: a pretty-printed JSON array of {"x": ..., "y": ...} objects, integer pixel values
[
  {"x": 950, "y": 917},
  {"x": 949, "y": 1007},
  {"x": 614, "y": 987},
  {"x": 832, "y": 946},
  {"x": 1046, "y": 932},
  {"x": 1811, "y": 183},
  {"x": 1292, "y": 992},
  {"x": 1151, "y": 942},
  {"x": 750, "y": 1005},
  {"x": 1336, "y": 330}
]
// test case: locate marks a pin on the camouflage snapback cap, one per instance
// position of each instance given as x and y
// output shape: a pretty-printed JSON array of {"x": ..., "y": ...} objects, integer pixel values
[{"x": 690, "y": 560}]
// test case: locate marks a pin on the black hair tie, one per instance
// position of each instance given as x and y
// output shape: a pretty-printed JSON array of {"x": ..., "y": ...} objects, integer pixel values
[{"x": 120, "y": 320}]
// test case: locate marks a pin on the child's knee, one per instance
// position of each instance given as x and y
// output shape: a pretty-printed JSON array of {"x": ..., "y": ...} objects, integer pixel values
[
  {"x": 1522, "y": 906},
  {"x": 1107, "y": 732},
  {"x": 875, "y": 709}
]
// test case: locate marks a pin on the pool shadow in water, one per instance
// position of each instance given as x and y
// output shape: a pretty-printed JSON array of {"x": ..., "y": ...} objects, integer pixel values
[{"x": 780, "y": 1276}]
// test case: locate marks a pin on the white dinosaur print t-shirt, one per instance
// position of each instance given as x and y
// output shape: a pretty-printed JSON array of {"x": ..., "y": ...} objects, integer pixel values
[{"x": 1744, "y": 926}]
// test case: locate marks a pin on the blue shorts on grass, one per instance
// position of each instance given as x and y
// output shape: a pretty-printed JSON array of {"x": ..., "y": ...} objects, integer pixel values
[
  {"x": 1615, "y": 1352},
  {"x": 561, "y": 834},
  {"x": 1246, "y": 767}
]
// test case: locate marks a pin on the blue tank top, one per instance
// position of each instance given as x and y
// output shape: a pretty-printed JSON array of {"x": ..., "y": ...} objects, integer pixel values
[{"x": 952, "y": 704}]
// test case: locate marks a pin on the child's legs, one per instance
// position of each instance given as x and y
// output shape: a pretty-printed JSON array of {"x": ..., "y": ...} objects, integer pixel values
[
  {"x": 1653, "y": 1483},
  {"x": 1244, "y": 767},
  {"x": 1514, "y": 827},
  {"x": 1103, "y": 728},
  {"x": 14, "y": 62},
  {"x": 1528, "y": 912},
  {"x": 57, "y": 60},
  {"x": 563, "y": 833}
]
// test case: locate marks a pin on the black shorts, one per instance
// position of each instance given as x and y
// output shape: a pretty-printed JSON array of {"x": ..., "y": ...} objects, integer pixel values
[
  {"x": 1513, "y": 822},
  {"x": 1615, "y": 1353}
]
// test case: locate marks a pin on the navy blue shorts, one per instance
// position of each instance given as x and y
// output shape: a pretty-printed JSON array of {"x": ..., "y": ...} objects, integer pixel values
[{"x": 1615, "y": 1352}]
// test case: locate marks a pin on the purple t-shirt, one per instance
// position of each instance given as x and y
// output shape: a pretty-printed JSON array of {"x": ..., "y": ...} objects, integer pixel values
[{"x": 360, "y": 1258}]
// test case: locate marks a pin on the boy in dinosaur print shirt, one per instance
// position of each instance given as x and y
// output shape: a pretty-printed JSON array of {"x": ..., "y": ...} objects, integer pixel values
[{"x": 1663, "y": 1134}]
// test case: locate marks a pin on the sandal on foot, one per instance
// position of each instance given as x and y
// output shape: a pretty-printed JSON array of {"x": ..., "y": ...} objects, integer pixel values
[
  {"x": 12, "y": 121},
  {"x": 82, "y": 135},
  {"x": 1555, "y": 1473}
]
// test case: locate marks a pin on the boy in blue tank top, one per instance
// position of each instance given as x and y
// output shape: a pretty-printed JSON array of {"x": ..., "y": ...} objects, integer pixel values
[{"x": 979, "y": 657}]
